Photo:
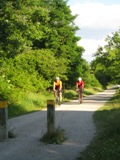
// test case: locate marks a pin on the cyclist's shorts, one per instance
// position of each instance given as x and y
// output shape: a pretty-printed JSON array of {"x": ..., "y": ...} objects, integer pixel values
[
  {"x": 57, "y": 89},
  {"x": 81, "y": 89}
]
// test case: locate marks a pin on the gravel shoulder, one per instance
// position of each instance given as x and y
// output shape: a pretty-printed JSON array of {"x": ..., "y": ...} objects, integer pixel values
[{"x": 74, "y": 118}]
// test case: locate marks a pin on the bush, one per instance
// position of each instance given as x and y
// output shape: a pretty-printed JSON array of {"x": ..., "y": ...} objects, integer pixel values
[
  {"x": 57, "y": 137},
  {"x": 5, "y": 88}
]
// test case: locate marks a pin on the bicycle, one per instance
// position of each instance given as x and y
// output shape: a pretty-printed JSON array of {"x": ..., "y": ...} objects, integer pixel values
[
  {"x": 58, "y": 96},
  {"x": 80, "y": 94}
]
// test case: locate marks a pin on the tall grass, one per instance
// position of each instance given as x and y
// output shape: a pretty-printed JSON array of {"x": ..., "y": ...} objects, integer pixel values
[
  {"x": 26, "y": 102},
  {"x": 106, "y": 144},
  {"x": 89, "y": 91},
  {"x": 72, "y": 94}
]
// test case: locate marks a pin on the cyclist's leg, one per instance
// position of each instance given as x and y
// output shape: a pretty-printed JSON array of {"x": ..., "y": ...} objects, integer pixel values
[
  {"x": 57, "y": 97},
  {"x": 81, "y": 95},
  {"x": 78, "y": 91},
  {"x": 60, "y": 97},
  {"x": 56, "y": 94}
]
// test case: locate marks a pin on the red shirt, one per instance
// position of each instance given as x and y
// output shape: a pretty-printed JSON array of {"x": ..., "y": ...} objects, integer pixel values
[{"x": 80, "y": 84}]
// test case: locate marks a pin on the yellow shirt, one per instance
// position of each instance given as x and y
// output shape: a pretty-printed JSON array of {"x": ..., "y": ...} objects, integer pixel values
[{"x": 57, "y": 85}]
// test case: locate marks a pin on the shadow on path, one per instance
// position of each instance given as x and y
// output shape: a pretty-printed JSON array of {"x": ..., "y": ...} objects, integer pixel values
[{"x": 75, "y": 118}]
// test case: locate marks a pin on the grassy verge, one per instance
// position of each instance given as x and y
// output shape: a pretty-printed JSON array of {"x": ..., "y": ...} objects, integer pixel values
[
  {"x": 89, "y": 91},
  {"x": 28, "y": 102},
  {"x": 23, "y": 103},
  {"x": 106, "y": 144},
  {"x": 72, "y": 94}
]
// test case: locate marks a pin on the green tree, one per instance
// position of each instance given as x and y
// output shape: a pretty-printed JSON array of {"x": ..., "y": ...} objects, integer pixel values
[
  {"x": 21, "y": 23},
  {"x": 106, "y": 64},
  {"x": 61, "y": 38},
  {"x": 37, "y": 42},
  {"x": 32, "y": 71},
  {"x": 33, "y": 25}
]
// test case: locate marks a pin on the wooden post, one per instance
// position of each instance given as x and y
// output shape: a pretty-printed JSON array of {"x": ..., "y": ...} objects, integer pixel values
[
  {"x": 3, "y": 120},
  {"x": 50, "y": 116}
]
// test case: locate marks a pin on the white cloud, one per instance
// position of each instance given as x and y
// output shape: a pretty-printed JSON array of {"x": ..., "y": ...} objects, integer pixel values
[
  {"x": 97, "y": 15},
  {"x": 90, "y": 46},
  {"x": 95, "y": 21}
]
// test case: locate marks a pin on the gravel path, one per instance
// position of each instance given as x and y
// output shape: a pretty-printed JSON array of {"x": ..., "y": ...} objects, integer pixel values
[{"x": 75, "y": 118}]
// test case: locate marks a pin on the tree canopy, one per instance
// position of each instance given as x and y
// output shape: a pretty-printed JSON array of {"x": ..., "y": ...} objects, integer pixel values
[
  {"x": 107, "y": 60},
  {"x": 38, "y": 42}
]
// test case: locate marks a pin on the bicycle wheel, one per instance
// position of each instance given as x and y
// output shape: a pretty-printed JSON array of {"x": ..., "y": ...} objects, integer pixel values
[
  {"x": 57, "y": 100},
  {"x": 79, "y": 99},
  {"x": 60, "y": 98},
  {"x": 80, "y": 96}
]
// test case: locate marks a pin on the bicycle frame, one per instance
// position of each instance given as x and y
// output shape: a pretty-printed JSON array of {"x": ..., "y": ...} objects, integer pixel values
[
  {"x": 80, "y": 95},
  {"x": 58, "y": 96}
]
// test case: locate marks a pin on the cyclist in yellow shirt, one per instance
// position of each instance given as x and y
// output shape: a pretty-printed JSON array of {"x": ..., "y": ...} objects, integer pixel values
[{"x": 57, "y": 89}]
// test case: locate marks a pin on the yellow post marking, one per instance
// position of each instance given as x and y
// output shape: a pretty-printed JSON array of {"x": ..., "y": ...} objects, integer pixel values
[
  {"x": 3, "y": 104},
  {"x": 50, "y": 102}
]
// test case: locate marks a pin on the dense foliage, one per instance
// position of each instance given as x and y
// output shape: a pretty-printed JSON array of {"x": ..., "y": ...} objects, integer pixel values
[
  {"x": 38, "y": 42},
  {"x": 107, "y": 61}
]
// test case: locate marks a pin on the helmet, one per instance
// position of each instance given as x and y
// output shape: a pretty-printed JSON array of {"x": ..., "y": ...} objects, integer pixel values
[
  {"x": 57, "y": 78},
  {"x": 79, "y": 79}
]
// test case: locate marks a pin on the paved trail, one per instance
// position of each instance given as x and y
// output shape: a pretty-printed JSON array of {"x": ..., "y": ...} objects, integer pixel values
[{"x": 75, "y": 118}]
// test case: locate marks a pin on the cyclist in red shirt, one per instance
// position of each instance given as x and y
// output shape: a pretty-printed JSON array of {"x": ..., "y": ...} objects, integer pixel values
[{"x": 80, "y": 88}]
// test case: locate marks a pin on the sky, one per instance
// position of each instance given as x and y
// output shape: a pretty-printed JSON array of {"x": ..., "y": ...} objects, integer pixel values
[{"x": 96, "y": 19}]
